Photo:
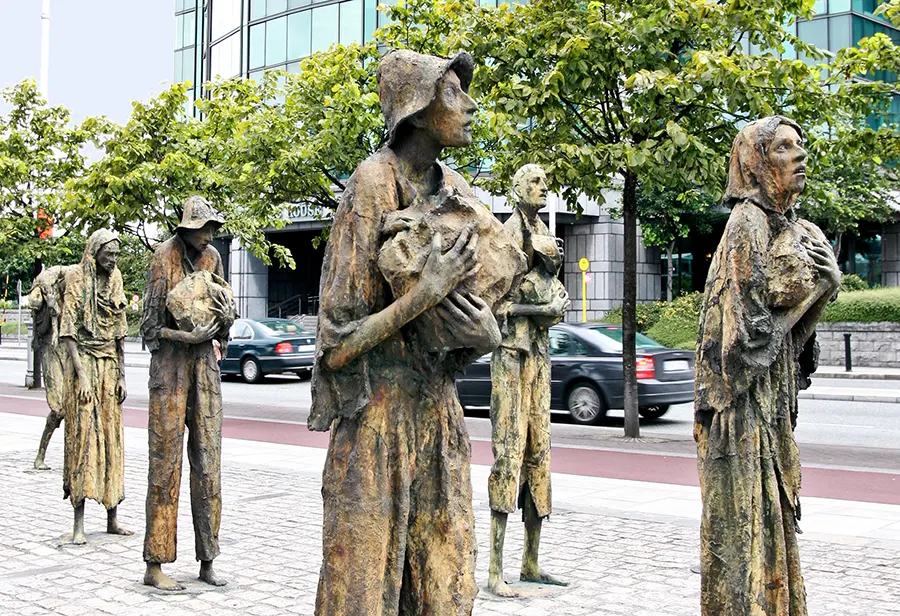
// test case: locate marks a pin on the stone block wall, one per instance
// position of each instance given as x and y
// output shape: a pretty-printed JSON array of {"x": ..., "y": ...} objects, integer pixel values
[{"x": 871, "y": 344}]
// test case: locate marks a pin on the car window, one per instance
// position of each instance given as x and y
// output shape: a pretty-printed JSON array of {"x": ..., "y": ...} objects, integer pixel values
[
  {"x": 281, "y": 327},
  {"x": 563, "y": 343},
  {"x": 640, "y": 340},
  {"x": 240, "y": 331}
]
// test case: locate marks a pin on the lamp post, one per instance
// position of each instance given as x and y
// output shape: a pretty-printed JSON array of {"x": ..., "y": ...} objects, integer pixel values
[{"x": 45, "y": 50}]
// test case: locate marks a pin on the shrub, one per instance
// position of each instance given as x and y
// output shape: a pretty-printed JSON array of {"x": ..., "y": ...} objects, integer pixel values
[
  {"x": 678, "y": 322},
  {"x": 647, "y": 315},
  {"x": 869, "y": 306},
  {"x": 134, "y": 322},
  {"x": 853, "y": 282}
]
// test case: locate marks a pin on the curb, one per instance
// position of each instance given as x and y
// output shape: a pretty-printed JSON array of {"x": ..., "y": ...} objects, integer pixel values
[
  {"x": 889, "y": 399},
  {"x": 127, "y": 363},
  {"x": 878, "y": 376}
]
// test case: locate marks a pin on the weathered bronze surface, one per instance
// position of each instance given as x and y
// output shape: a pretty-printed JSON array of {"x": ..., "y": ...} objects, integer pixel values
[
  {"x": 398, "y": 531},
  {"x": 769, "y": 281},
  {"x": 185, "y": 390},
  {"x": 520, "y": 374},
  {"x": 45, "y": 303},
  {"x": 92, "y": 330}
]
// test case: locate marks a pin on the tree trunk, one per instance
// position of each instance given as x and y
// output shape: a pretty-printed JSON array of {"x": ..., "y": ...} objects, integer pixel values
[
  {"x": 670, "y": 271},
  {"x": 837, "y": 244},
  {"x": 629, "y": 306}
]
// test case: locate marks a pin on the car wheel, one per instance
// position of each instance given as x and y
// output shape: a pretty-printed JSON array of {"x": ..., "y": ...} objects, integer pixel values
[
  {"x": 654, "y": 412},
  {"x": 586, "y": 405},
  {"x": 250, "y": 371},
  {"x": 303, "y": 374}
]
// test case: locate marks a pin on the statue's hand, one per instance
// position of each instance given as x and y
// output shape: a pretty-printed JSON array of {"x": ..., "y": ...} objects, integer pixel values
[
  {"x": 444, "y": 271},
  {"x": 202, "y": 333},
  {"x": 121, "y": 390},
  {"x": 469, "y": 321},
  {"x": 823, "y": 258},
  {"x": 85, "y": 391}
]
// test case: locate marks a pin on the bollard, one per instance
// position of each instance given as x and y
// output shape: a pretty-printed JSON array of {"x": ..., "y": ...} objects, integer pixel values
[
  {"x": 848, "y": 360},
  {"x": 30, "y": 359}
]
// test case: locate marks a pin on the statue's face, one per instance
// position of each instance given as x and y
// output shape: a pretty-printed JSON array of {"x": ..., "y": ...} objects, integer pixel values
[
  {"x": 532, "y": 189},
  {"x": 449, "y": 116},
  {"x": 199, "y": 239},
  {"x": 108, "y": 256},
  {"x": 786, "y": 159}
]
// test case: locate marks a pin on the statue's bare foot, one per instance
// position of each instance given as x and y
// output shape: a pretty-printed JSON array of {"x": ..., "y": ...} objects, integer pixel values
[
  {"x": 40, "y": 465},
  {"x": 113, "y": 528},
  {"x": 156, "y": 578},
  {"x": 208, "y": 575},
  {"x": 78, "y": 538},
  {"x": 541, "y": 577},
  {"x": 502, "y": 589}
]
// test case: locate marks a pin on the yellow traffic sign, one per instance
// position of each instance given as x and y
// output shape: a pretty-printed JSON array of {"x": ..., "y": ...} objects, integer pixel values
[{"x": 584, "y": 264}]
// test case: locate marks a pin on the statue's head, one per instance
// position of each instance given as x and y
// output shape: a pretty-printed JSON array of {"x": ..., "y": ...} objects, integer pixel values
[
  {"x": 102, "y": 250},
  {"x": 199, "y": 223},
  {"x": 768, "y": 164},
  {"x": 529, "y": 186},
  {"x": 419, "y": 92}
]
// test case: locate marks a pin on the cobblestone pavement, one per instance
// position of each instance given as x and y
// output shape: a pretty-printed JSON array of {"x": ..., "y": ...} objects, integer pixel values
[{"x": 271, "y": 548}]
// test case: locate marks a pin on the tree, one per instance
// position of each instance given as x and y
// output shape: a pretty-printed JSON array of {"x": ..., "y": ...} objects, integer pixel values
[
  {"x": 163, "y": 155},
  {"x": 40, "y": 150},
  {"x": 610, "y": 93},
  {"x": 667, "y": 214}
]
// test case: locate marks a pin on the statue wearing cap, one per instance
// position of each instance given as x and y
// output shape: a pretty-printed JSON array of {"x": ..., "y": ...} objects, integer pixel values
[
  {"x": 520, "y": 373},
  {"x": 185, "y": 390},
  {"x": 413, "y": 270},
  {"x": 92, "y": 330}
]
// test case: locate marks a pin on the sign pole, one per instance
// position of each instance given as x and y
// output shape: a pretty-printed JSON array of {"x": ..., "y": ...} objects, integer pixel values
[{"x": 584, "y": 265}]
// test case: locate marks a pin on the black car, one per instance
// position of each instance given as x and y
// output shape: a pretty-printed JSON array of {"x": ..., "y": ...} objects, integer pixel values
[
  {"x": 587, "y": 374},
  {"x": 267, "y": 346}
]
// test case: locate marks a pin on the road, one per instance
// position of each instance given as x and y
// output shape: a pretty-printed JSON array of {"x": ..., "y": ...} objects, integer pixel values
[{"x": 853, "y": 434}]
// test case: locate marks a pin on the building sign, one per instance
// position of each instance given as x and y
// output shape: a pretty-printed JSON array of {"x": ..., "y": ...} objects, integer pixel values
[{"x": 305, "y": 212}]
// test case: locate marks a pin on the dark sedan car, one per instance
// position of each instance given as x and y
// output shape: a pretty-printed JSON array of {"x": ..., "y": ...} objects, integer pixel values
[
  {"x": 587, "y": 374},
  {"x": 268, "y": 346}
]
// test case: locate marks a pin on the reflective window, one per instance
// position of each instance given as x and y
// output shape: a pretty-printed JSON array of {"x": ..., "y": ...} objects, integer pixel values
[
  {"x": 839, "y": 32},
  {"x": 371, "y": 12},
  {"x": 257, "y": 46},
  {"x": 257, "y": 9},
  {"x": 298, "y": 35},
  {"x": 179, "y": 31},
  {"x": 276, "y": 6},
  {"x": 324, "y": 27},
  {"x": 838, "y": 6},
  {"x": 351, "y": 22},
  {"x": 225, "y": 57},
  {"x": 814, "y": 32},
  {"x": 276, "y": 41},
  {"x": 189, "y": 25},
  {"x": 293, "y": 4},
  {"x": 820, "y": 7},
  {"x": 382, "y": 16},
  {"x": 178, "y": 66},
  {"x": 226, "y": 16}
]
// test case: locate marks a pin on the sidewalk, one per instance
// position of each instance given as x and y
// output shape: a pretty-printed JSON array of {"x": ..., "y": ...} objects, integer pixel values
[{"x": 626, "y": 546}]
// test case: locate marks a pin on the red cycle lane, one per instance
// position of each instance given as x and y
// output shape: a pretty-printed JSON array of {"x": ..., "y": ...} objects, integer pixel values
[{"x": 842, "y": 484}]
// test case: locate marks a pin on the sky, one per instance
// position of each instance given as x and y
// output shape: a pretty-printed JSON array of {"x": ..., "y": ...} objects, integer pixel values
[{"x": 104, "y": 54}]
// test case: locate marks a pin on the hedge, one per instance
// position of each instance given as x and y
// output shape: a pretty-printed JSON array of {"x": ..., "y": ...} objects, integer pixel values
[
  {"x": 675, "y": 325},
  {"x": 872, "y": 306}
]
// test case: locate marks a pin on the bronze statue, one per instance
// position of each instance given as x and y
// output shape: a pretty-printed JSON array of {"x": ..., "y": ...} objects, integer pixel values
[
  {"x": 185, "y": 391},
  {"x": 410, "y": 260},
  {"x": 45, "y": 303},
  {"x": 769, "y": 281},
  {"x": 520, "y": 372},
  {"x": 92, "y": 331}
]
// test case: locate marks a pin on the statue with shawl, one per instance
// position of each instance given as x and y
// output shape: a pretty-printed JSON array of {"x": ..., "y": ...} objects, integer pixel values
[
  {"x": 769, "y": 281},
  {"x": 92, "y": 333}
]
